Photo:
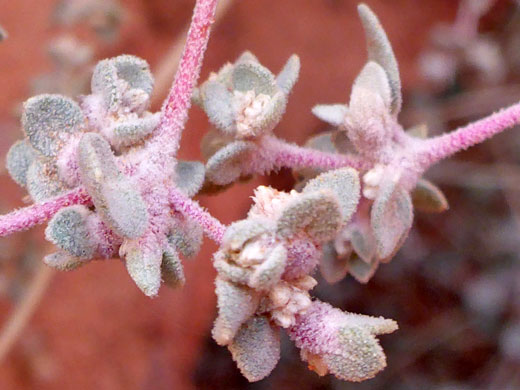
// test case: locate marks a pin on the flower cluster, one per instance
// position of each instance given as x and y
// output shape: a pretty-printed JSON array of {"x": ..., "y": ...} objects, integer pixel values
[
  {"x": 264, "y": 276},
  {"x": 244, "y": 101},
  {"x": 368, "y": 128},
  {"x": 98, "y": 144}
]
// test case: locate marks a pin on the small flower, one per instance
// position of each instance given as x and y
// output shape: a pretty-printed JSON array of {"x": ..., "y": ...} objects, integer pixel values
[
  {"x": 245, "y": 102},
  {"x": 244, "y": 99}
]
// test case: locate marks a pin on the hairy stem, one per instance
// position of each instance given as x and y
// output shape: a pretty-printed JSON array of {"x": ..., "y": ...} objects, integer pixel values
[
  {"x": 283, "y": 154},
  {"x": 213, "y": 228},
  {"x": 441, "y": 147},
  {"x": 166, "y": 68},
  {"x": 174, "y": 112},
  {"x": 38, "y": 213}
]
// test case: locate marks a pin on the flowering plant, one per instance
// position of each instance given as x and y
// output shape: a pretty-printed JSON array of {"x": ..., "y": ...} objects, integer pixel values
[{"x": 103, "y": 172}]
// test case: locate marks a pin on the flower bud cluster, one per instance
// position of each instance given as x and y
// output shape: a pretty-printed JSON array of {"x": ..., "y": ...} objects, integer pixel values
[
  {"x": 98, "y": 144},
  {"x": 244, "y": 101},
  {"x": 391, "y": 188},
  {"x": 264, "y": 277}
]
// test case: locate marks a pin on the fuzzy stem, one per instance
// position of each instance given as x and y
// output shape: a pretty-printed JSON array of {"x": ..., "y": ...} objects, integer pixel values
[
  {"x": 38, "y": 213},
  {"x": 174, "y": 112},
  {"x": 213, "y": 228},
  {"x": 283, "y": 154},
  {"x": 165, "y": 70},
  {"x": 441, "y": 147}
]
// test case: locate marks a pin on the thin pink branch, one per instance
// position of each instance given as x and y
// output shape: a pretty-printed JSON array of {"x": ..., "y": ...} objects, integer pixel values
[
  {"x": 213, "y": 228},
  {"x": 278, "y": 153},
  {"x": 441, "y": 147},
  {"x": 174, "y": 112},
  {"x": 38, "y": 213}
]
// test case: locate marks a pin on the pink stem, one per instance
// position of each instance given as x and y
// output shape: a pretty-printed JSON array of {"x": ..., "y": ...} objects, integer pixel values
[
  {"x": 213, "y": 228},
  {"x": 279, "y": 153},
  {"x": 441, "y": 147},
  {"x": 174, "y": 112},
  {"x": 38, "y": 213}
]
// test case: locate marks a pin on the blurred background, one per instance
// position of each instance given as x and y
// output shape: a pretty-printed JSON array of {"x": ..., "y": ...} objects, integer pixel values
[{"x": 454, "y": 288}]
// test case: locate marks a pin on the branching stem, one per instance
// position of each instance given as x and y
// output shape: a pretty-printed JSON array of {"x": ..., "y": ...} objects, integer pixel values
[
  {"x": 213, "y": 228},
  {"x": 278, "y": 153},
  {"x": 174, "y": 112},
  {"x": 26, "y": 218},
  {"x": 441, "y": 147}
]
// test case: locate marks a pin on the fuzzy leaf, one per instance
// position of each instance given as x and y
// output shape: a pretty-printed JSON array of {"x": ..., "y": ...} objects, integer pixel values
[
  {"x": 251, "y": 76},
  {"x": 132, "y": 131},
  {"x": 236, "y": 304},
  {"x": 213, "y": 141},
  {"x": 171, "y": 269},
  {"x": 273, "y": 113},
  {"x": 289, "y": 74},
  {"x": 46, "y": 118},
  {"x": 344, "y": 184},
  {"x": 342, "y": 143},
  {"x": 42, "y": 180},
  {"x": 362, "y": 270},
  {"x": 367, "y": 122},
  {"x": 374, "y": 78},
  {"x": 362, "y": 240},
  {"x": 230, "y": 271},
  {"x": 238, "y": 233},
  {"x": 317, "y": 213},
  {"x": 256, "y": 348},
  {"x": 69, "y": 231},
  {"x": 126, "y": 212},
  {"x": 362, "y": 357},
  {"x": 97, "y": 161},
  {"x": 189, "y": 177},
  {"x": 105, "y": 83},
  {"x": 196, "y": 98},
  {"x": 135, "y": 71},
  {"x": 270, "y": 271},
  {"x": 120, "y": 205},
  {"x": 344, "y": 343},
  {"x": 333, "y": 268},
  {"x": 322, "y": 141},
  {"x": 186, "y": 236},
  {"x": 109, "y": 74},
  {"x": 217, "y": 103},
  {"x": 333, "y": 114},
  {"x": 428, "y": 198},
  {"x": 63, "y": 261},
  {"x": 380, "y": 51},
  {"x": 246, "y": 56},
  {"x": 391, "y": 218},
  {"x": 225, "y": 166},
  {"x": 143, "y": 261},
  {"x": 19, "y": 158}
]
